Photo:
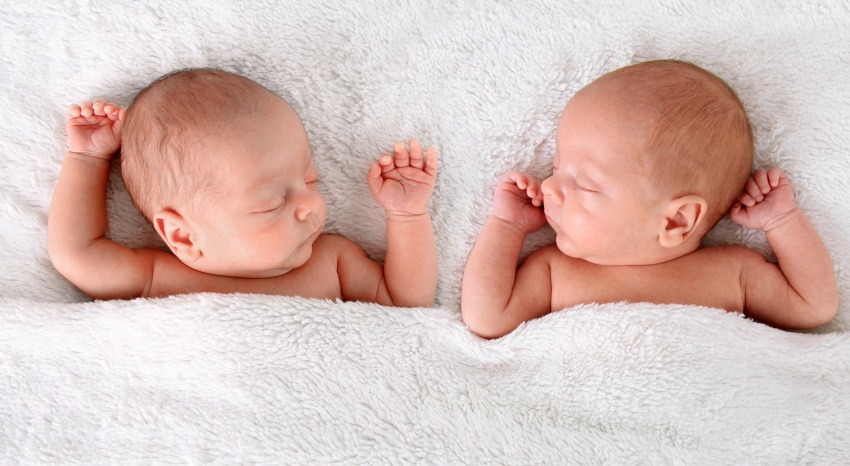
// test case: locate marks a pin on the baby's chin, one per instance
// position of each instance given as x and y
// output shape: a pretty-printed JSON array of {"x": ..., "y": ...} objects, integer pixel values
[
  {"x": 567, "y": 247},
  {"x": 242, "y": 272},
  {"x": 294, "y": 259},
  {"x": 301, "y": 255},
  {"x": 570, "y": 249},
  {"x": 594, "y": 257}
]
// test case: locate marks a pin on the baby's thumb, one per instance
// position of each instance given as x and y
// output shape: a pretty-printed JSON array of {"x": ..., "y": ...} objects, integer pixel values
[
  {"x": 116, "y": 128},
  {"x": 374, "y": 178},
  {"x": 737, "y": 213},
  {"x": 118, "y": 124}
]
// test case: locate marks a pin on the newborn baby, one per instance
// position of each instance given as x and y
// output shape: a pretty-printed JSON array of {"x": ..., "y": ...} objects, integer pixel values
[
  {"x": 222, "y": 168},
  {"x": 649, "y": 158}
]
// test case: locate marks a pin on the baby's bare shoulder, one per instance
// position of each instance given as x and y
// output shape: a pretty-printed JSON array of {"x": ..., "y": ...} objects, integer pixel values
[
  {"x": 335, "y": 244},
  {"x": 734, "y": 255},
  {"x": 556, "y": 259},
  {"x": 548, "y": 254}
]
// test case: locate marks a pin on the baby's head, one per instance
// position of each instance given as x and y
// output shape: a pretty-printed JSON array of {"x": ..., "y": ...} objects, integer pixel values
[
  {"x": 649, "y": 158},
  {"x": 222, "y": 168}
]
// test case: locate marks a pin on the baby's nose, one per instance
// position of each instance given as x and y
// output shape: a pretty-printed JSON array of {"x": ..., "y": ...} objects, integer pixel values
[
  {"x": 309, "y": 205},
  {"x": 304, "y": 211},
  {"x": 550, "y": 189}
]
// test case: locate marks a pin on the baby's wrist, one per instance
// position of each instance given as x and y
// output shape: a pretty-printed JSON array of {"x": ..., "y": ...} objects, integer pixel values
[
  {"x": 509, "y": 224},
  {"x": 90, "y": 156},
  {"x": 780, "y": 220},
  {"x": 405, "y": 217}
]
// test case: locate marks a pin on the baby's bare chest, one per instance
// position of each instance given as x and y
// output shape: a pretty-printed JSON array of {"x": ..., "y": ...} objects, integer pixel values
[
  {"x": 318, "y": 278},
  {"x": 703, "y": 279}
]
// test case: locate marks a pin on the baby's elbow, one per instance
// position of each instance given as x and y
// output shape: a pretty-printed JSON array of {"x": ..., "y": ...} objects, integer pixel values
[
  {"x": 824, "y": 313},
  {"x": 407, "y": 301},
  {"x": 426, "y": 300},
  {"x": 484, "y": 328},
  {"x": 62, "y": 260},
  {"x": 816, "y": 314}
]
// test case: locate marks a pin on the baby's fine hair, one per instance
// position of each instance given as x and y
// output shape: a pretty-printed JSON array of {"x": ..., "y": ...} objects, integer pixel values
[
  {"x": 701, "y": 140},
  {"x": 163, "y": 161}
]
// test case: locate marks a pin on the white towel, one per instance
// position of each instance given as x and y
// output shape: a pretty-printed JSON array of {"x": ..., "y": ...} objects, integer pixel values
[{"x": 249, "y": 378}]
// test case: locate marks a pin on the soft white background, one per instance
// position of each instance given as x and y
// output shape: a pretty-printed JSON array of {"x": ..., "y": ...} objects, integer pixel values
[{"x": 257, "y": 378}]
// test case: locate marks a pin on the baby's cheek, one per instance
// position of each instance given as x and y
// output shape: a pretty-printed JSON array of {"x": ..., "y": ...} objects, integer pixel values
[
  {"x": 589, "y": 231},
  {"x": 575, "y": 220}
]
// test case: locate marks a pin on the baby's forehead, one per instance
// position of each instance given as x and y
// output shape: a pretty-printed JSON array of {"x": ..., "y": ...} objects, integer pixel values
[{"x": 262, "y": 159}]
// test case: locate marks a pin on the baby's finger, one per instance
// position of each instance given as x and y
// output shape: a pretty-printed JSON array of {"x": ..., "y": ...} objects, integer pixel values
[
  {"x": 118, "y": 121},
  {"x": 510, "y": 178},
  {"x": 112, "y": 109},
  {"x": 373, "y": 177},
  {"x": 521, "y": 181},
  {"x": 736, "y": 209},
  {"x": 753, "y": 189},
  {"x": 431, "y": 161},
  {"x": 74, "y": 110},
  {"x": 97, "y": 107},
  {"x": 416, "y": 159},
  {"x": 747, "y": 200},
  {"x": 402, "y": 158},
  {"x": 537, "y": 200},
  {"x": 774, "y": 175},
  {"x": 386, "y": 163},
  {"x": 536, "y": 194},
  {"x": 761, "y": 180},
  {"x": 419, "y": 176},
  {"x": 533, "y": 188},
  {"x": 85, "y": 109}
]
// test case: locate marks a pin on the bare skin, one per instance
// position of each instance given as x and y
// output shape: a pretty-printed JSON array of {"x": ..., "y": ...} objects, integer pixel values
[
  {"x": 621, "y": 239},
  {"x": 280, "y": 234}
]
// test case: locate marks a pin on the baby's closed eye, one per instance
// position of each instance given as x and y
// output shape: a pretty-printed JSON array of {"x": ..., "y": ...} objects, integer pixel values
[
  {"x": 583, "y": 187},
  {"x": 271, "y": 210}
]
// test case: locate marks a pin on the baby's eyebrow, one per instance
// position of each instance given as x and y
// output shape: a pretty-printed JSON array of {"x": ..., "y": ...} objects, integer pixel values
[
  {"x": 265, "y": 189},
  {"x": 266, "y": 198},
  {"x": 590, "y": 169}
]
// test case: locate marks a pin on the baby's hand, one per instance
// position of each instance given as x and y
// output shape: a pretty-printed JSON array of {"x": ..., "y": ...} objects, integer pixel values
[
  {"x": 519, "y": 200},
  {"x": 403, "y": 184},
  {"x": 766, "y": 201},
  {"x": 94, "y": 128}
]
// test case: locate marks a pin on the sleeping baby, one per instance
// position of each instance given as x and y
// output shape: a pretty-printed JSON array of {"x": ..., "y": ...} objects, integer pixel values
[
  {"x": 222, "y": 169},
  {"x": 649, "y": 158}
]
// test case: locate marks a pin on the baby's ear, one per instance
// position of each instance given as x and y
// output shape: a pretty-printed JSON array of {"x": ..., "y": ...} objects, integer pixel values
[
  {"x": 682, "y": 217},
  {"x": 177, "y": 234}
]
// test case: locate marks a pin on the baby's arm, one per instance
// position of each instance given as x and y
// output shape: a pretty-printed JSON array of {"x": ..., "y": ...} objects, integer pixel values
[
  {"x": 496, "y": 296},
  {"x": 77, "y": 222},
  {"x": 402, "y": 184},
  {"x": 801, "y": 292}
]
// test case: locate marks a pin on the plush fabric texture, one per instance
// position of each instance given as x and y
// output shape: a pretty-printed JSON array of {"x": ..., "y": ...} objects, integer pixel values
[{"x": 250, "y": 378}]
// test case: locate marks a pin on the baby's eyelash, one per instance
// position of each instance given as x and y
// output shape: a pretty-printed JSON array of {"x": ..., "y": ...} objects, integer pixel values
[
  {"x": 271, "y": 211},
  {"x": 582, "y": 188}
]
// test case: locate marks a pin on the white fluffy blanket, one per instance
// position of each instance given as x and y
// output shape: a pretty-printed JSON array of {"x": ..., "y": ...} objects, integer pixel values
[{"x": 249, "y": 378}]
